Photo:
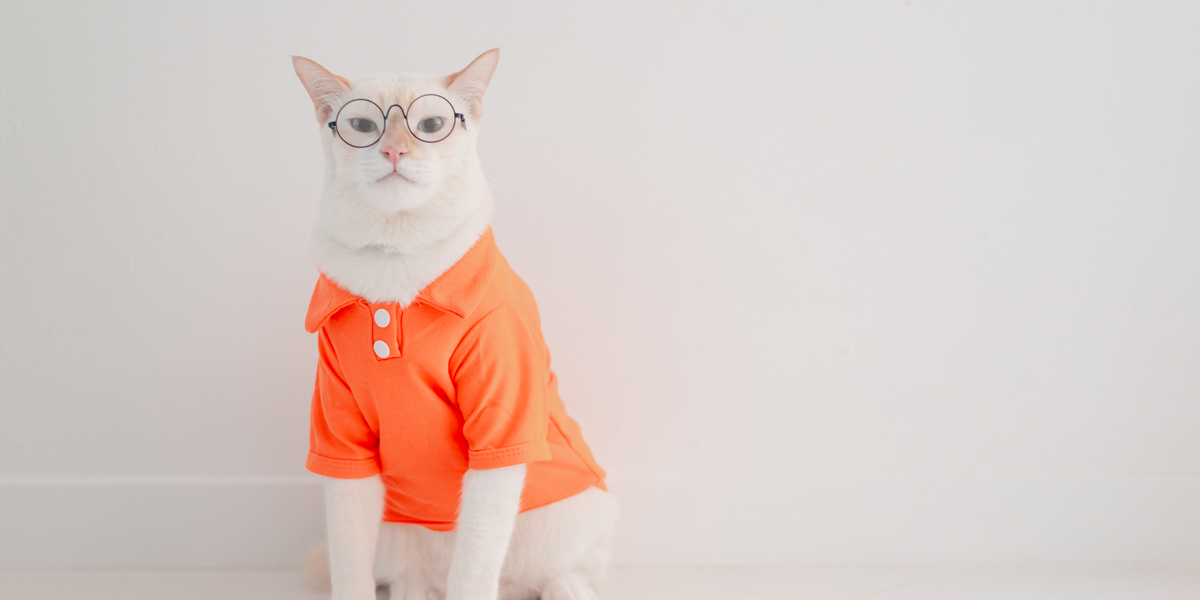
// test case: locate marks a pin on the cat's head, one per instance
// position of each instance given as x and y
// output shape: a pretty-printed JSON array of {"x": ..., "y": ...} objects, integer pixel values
[{"x": 400, "y": 172}]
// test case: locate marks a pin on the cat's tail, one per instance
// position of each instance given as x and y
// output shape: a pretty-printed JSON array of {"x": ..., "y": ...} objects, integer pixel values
[{"x": 315, "y": 565}]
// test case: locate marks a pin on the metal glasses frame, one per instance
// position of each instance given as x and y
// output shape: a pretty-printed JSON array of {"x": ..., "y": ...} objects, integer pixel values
[{"x": 404, "y": 113}]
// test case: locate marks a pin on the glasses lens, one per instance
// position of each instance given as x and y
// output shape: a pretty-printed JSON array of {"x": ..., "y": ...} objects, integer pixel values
[
  {"x": 360, "y": 123},
  {"x": 430, "y": 118}
]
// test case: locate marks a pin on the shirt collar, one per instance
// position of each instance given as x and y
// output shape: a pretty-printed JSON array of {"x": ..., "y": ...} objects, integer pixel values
[{"x": 459, "y": 290}]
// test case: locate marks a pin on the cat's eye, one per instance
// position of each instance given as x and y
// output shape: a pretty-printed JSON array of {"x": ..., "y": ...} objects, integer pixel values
[
  {"x": 431, "y": 125},
  {"x": 361, "y": 123},
  {"x": 428, "y": 116}
]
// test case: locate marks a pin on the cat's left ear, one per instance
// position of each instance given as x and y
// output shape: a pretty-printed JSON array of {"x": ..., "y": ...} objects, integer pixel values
[
  {"x": 323, "y": 87},
  {"x": 471, "y": 82}
]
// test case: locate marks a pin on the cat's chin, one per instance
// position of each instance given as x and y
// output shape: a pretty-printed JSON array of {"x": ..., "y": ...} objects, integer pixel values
[{"x": 394, "y": 194}]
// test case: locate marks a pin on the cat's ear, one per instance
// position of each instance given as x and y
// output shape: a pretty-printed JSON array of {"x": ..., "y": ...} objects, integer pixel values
[
  {"x": 323, "y": 87},
  {"x": 471, "y": 82}
]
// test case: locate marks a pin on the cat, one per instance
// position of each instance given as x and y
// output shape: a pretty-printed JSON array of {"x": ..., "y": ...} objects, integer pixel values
[{"x": 404, "y": 245}]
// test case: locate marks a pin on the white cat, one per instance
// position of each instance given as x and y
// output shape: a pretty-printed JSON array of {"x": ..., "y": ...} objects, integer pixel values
[{"x": 395, "y": 215}]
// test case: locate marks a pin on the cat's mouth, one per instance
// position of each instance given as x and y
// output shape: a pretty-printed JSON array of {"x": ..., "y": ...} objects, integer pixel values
[{"x": 394, "y": 176}]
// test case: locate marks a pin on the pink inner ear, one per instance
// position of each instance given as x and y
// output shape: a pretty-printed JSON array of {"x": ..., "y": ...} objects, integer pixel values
[
  {"x": 330, "y": 91},
  {"x": 471, "y": 82},
  {"x": 322, "y": 86}
]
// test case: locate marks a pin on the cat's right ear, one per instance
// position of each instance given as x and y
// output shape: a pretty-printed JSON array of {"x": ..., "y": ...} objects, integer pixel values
[{"x": 323, "y": 87}]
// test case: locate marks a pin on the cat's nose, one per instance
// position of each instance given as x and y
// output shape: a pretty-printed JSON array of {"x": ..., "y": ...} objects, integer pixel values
[{"x": 394, "y": 153}]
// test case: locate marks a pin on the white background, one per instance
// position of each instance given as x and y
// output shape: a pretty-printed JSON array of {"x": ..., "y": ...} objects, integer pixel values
[{"x": 885, "y": 281}]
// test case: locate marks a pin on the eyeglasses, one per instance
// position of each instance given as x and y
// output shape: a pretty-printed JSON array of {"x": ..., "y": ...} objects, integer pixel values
[{"x": 429, "y": 118}]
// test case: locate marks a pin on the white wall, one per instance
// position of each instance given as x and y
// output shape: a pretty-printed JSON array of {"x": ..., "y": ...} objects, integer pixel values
[{"x": 848, "y": 281}]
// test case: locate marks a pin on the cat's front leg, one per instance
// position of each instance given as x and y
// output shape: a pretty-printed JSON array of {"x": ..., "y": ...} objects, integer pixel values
[
  {"x": 487, "y": 513},
  {"x": 353, "y": 512}
]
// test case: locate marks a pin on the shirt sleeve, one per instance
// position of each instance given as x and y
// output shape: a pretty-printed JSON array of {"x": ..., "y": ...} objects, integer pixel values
[
  {"x": 501, "y": 370},
  {"x": 341, "y": 443}
]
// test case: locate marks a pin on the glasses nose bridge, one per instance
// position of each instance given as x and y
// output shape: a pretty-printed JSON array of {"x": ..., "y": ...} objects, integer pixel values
[
  {"x": 397, "y": 132},
  {"x": 388, "y": 114}
]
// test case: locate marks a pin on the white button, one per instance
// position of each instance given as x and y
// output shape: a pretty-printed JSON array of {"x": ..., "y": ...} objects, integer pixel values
[
  {"x": 382, "y": 317},
  {"x": 381, "y": 349}
]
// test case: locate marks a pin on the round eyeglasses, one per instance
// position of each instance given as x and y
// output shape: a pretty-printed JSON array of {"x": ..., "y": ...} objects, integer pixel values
[{"x": 430, "y": 118}]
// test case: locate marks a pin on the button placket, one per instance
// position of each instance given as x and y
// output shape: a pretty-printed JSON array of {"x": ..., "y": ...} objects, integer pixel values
[{"x": 385, "y": 329}]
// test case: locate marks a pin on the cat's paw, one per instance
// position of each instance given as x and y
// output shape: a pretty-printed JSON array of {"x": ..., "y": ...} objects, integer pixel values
[{"x": 568, "y": 587}]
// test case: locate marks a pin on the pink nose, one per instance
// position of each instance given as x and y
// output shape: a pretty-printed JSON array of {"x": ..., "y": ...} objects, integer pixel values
[{"x": 394, "y": 153}]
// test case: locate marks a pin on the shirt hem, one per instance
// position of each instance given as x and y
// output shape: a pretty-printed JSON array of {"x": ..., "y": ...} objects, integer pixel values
[
  {"x": 451, "y": 526},
  {"x": 599, "y": 483},
  {"x": 432, "y": 526},
  {"x": 507, "y": 457},
  {"x": 342, "y": 469}
]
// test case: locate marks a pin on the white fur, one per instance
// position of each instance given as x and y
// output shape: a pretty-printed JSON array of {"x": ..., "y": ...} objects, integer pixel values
[
  {"x": 353, "y": 509},
  {"x": 487, "y": 513},
  {"x": 384, "y": 237}
]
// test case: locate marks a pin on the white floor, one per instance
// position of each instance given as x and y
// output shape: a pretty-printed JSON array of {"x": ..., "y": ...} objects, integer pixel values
[{"x": 805, "y": 582}]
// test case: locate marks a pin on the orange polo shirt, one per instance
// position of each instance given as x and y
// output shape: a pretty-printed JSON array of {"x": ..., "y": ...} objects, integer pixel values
[{"x": 460, "y": 379}]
